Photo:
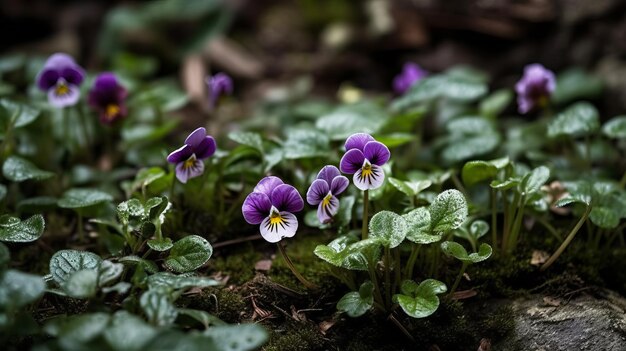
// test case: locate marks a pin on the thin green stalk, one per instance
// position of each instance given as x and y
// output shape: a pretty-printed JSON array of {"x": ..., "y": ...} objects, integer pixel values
[
  {"x": 83, "y": 125},
  {"x": 517, "y": 225},
  {"x": 378, "y": 296},
  {"x": 397, "y": 267},
  {"x": 494, "y": 218},
  {"x": 364, "y": 228},
  {"x": 457, "y": 183},
  {"x": 622, "y": 182},
  {"x": 568, "y": 239},
  {"x": 458, "y": 279},
  {"x": 295, "y": 272},
  {"x": 506, "y": 220},
  {"x": 411, "y": 262},
  {"x": 81, "y": 234},
  {"x": 549, "y": 227},
  {"x": 387, "y": 277}
]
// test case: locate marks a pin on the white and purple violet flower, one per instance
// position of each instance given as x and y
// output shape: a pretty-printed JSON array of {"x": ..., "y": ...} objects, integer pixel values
[
  {"x": 272, "y": 204},
  {"x": 188, "y": 158},
  {"x": 108, "y": 97},
  {"x": 324, "y": 190},
  {"x": 364, "y": 158},
  {"x": 61, "y": 78},
  {"x": 535, "y": 88}
]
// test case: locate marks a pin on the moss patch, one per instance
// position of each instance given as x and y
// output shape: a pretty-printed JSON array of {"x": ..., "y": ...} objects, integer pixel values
[{"x": 296, "y": 337}]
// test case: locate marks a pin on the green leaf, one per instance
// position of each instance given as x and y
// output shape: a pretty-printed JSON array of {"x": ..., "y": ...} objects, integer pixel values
[
  {"x": 80, "y": 198},
  {"x": 82, "y": 284},
  {"x": 160, "y": 245},
  {"x": 176, "y": 282},
  {"x": 478, "y": 229},
  {"x": 158, "y": 308},
  {"x": 77, "y": 330},
  {"x": 253, "y": 140},
  {"x": 127, "y": 332},
  {"x": 420, "y": 301},
  {"x": 470, "y": 146},
  {"x": 188, "y": 254},
  {"x": 155, "y": 207},
  {"x": 243, "y": 337},
  {"x": 28, "y": 230},
  {"x": 615, "y": 128},
  {"x": 412, "y": 187},
  {"x": 349, "y": 253},
  {"x": 505, "y": 184},
  {"x": 532, "y": 182},
  {"x": 129, "y": 209},
  {"x": 477, "y": 171},
  {"x": 109, "y": 272},
  {"x": 388, "y": 228},
  {"x": 495, "y": 103},
  {"x": 395, "y": 139},
  {"x": 356, "y": 303},
  {"x": 17, "y": 169},
  {"x": 21, "y": 114},
  {"x": 456, "y": 250},
  {"x": 418, "y": 222},
  {"x": 64, "y": 263},
  {"x": 344, "y": 215},
  {"x": 346, "y": 120},
  {"x": 37, "y": 204},
  {"x": 448, "y": 211},
  {"x": 575, "y": 84},
  {"x": 484, "y": 252},
  {"x": 305, "y": 143},
  {"x": 18, "y": 289},
  {"x": 147, "y": 265},
  {"x": 203, "y": 317},
  {"x": 577, "y": 120}
]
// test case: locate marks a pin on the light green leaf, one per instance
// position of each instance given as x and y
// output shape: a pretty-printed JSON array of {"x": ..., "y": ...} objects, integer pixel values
[
  {"x": 82, "y": 284},
  {"x": 305, "y": 143},
  {"x": 484, "y": 252},
  {"x": 470, "y": 146},
  {"x": 21, "y": 114},
  {"x": 18, "y": 289},
  {"x": 64, "y": 263},
  {"x": 388, "y": 228},
  {"x": 243, "y": 337},
  {"x": 17, "y": 169},
  {"x": 456, "y": 250},
  {"x": 28, "y": 230},
  {"x": 478, "y": 229},
  {"x": 130, "y": 208},
  {"x": 176, "y": 282},
  {"x": 504, "y": 184},
  {"x": 76, "y": 330},
  {"x": 188, "y": 254},
  {"x": 478, "y": 171},
  {"x": 420, "y": 301},
  {"x": 346, "y": 120},
  {"x": 448, "y": 211},
  {"x": 615, "y": 128},
  {"x": 161, "y": 245},
  {"x": 356, "y": 303},
  {"x": 418, "y": 222},
  {"x": 148, "y": 266},
  {"x": 532, "y": 182},
  {"x": 127, "y": 332},
  {"x": 158, "y": 308},
  {"x": 109, "y": 272},
  {"x": 80, "y": 198},
  {"x": 577, "y": 120},
  {"x": 575, "y": 84},
  {"x": 495, "y": 103},
  {"x": 250, "y": 139},
  {"x": 203, "y": 317}
]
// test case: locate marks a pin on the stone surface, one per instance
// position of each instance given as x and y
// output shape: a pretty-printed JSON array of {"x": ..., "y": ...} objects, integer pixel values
[{"x": 582, "y": 323}]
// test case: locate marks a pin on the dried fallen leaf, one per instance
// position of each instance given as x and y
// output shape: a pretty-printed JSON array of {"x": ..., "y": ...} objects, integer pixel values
[
  {"x": 485, "y": 345},
  {"x": 263, "y": 265},
  {"x": 550, "y": 301},
  {"x": 464, "y": 294},
  {"x": 259, "y": 312},
  {"x": 297, "y": 315},
  {"x": 539, "y": 257},
  {"x": 326, "y": 325}
]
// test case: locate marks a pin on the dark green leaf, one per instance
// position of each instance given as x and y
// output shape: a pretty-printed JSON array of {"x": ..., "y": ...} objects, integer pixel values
[
  {"x": 420, "y": 301},
  {"x": 577, "y": 120},
  {"x": 80, "y": 198},
  {"x": 448, "y": 211},
  {"x": 189, "y": 254},
  {"x": 64, "y": 263},
  {"x": 356, "y": 303},
  {"x": 17, "y": 169},
  {"x": 23, "y": 231},
  {"x": 388, "y": 228}
]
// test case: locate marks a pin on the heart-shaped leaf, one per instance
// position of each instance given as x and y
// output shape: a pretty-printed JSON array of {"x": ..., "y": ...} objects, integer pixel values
[
  {"x": 448, "y": 211},
  {"x": 356, "y": 303},
  {"x": 578, "y": 120},
  {"x": 18, "y": 289},
  {"x": 478, "y": 229},
  {"x": 456, "y": 250},
  {"x": 23, "y": 231},
  {"x": 64, "y": 263},
  {"x": 532, "y": 182},
  {"x": 418, "y": 222},
  {"x": 128, "y": 209},
  {"x": 158, "y": 308},
  {"x": 160, "y": 245},
  {"x": 388, "y": 228},
  {"x": 349, "y": 253},
  {"x": 80, "y": 198},
  {"x": 420, "y": 301},
  {"x": 17, "y": 169},
  {"x": 188, "y": 254}
]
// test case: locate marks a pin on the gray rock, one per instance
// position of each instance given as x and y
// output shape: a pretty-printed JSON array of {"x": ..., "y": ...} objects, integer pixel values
[{"x": 582, "y": 323}]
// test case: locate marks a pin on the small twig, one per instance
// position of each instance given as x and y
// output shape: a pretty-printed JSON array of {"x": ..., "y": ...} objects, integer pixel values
[{"x": 401, "y": 327}]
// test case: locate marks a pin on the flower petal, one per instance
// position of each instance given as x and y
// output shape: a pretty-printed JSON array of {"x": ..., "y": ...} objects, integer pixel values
[
  {"x": 179, "y": 155},
  {"x": 318, "y": 189},
  {"x": 69, "y": 98},
  {"x": 184, "y": 173},
  {"x": 351, "y": 161},
  {"x": 358, "y": 141},
  {"x": 286, "y": 198},
  {"x": 206, "y": 148},
  {"x": 195, "y": 138},
  {"x": 339, "y": 184},
  {"x": 328, "y": 173},
  {"x": 73, "y": 74},
  {"x": 267, "y": 185},
  {"x": 47, "y": 79},
  {"x": 256, "y": 207},
  {"x": 369, "y": 179},
  {"x": 285, "y": 228},
  {"x": 376, "y": 152},
  {"x": 327, "y": 210}
]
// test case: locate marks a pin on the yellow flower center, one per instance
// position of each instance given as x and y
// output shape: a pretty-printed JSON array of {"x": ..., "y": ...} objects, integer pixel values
[
  {"x": 190, "y": 162},
  {"x": 111, "y": 111},
  {"x": 366, "y": 171},
  {"x": 326, "y": 200},
  {"x": 62, "y": 89},
  {"x": 276, "y": 219}
]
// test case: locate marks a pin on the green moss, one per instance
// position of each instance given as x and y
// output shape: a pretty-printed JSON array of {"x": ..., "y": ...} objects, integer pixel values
[
  {"x": 296, "y": 337},
  {"x": 237, "y": 264},
  {"x": 226, "y": 304}
]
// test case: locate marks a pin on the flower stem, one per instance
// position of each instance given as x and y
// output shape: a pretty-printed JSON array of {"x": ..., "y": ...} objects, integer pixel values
[
  {"x": 387, "y": 277},
  {"x": 568, "y": 239},
  {"x": 458, "y": 279},
  {"x": 364, "y": 229},
  {"x": 411, "y": 262},
  {"x": 494, "y": 218},
  {"x": 295, "y": 272},
  {"x": 81, "y": 234},
  {"x": 378, "y": 296}
]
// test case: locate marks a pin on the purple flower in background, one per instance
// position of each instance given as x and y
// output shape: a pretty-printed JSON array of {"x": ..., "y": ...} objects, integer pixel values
[
  {"x": 108, "y": 97},
  {"x": 272, "y": 204},
  {"x": 411, "y": 73},
  {"x": 188, "y": 158},
  {"x": 535, "y": 88},
  {"x": 218, "y": 85},
  {"x": 364, "y": 157},
  {"x": 61, "y": 78},
  {"x": 324, "y": 190}
]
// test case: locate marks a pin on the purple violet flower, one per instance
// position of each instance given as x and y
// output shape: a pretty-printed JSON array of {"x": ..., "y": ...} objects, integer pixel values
[
  {"x": 272, "y": 204},
  {"x": 411, "y": 73},
  {"x": 535, "y": 88},
  {"x": 218, "y": 85},
  {"x": 364, "y": 158},
  {"x": 61, "y": 78},
  {"x": 108, "y": 97},
  {"x": 188, "y": 158},
  {"x": 324, "y": 190}
]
